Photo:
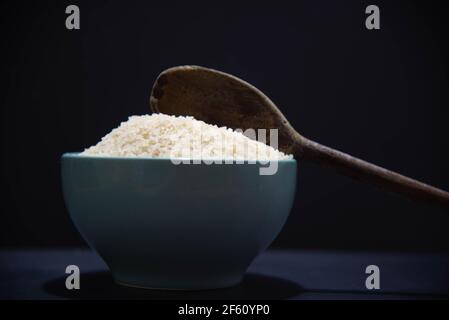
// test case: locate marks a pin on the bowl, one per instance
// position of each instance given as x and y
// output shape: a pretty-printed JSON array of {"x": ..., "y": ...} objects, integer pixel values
[{"x": 167, "y": 226}]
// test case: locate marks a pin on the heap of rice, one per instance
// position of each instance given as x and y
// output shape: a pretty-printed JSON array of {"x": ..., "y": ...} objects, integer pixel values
[{"x": 164, "y": 136}]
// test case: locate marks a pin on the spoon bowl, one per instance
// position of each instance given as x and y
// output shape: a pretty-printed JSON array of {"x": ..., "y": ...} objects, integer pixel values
[{"x": 219, "y": 98}]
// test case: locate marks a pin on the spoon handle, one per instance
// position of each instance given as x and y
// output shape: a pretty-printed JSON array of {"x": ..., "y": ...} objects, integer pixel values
[{"x": 370, "y": 173}]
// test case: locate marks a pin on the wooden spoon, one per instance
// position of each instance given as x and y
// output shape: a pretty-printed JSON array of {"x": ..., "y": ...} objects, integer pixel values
[{"x": 222, "y": 99}]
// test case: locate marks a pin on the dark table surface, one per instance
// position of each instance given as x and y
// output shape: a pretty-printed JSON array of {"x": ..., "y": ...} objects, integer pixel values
[{"x": 40, "y": 274}]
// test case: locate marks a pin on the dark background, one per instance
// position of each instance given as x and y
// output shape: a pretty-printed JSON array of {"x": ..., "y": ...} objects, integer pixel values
[{"x": 379, "y": 95}]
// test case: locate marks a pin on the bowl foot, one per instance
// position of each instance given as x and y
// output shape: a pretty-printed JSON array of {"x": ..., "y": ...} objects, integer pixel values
[{"x": 179, "y": 285}]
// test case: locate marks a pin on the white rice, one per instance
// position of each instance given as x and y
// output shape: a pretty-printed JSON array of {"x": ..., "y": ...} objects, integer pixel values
[{"x": 164, "y": 136}]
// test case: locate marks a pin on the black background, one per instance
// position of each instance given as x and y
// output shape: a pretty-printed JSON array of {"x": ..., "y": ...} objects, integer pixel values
[{"x": 380, "y": 95}]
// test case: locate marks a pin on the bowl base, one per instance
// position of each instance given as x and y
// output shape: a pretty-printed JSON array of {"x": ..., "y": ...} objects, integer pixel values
[{"x": 210, "y": 285}]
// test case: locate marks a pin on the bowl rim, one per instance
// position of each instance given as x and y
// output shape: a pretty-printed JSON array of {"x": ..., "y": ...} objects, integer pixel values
[{"x": 79, "y": 155}]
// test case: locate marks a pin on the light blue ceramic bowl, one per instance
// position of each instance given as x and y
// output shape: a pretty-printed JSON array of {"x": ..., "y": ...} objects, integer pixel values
[{"x": 160, "y": 225}]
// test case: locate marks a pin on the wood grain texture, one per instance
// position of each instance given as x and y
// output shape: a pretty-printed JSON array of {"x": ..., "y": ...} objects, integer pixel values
[{"x": 225, "y": 100}]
